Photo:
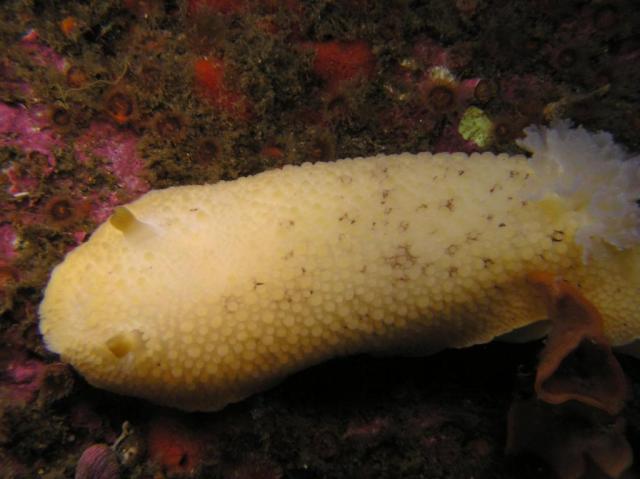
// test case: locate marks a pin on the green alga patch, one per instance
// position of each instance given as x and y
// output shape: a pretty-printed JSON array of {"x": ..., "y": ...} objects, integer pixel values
[{"x": 476, "y": 126}]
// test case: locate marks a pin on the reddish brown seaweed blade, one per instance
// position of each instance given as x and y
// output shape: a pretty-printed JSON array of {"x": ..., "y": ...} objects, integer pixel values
[{"x": 577, "y": 362}]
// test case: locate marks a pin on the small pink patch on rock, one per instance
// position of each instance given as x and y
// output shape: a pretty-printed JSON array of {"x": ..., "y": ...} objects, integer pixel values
[
  {"x": 8, "y": 237},
  {"x": 119, "y": 148},
  {"x": 103, "y": 205},
  {"x": 28, "y": 129},
  {"x": 467, "y": 88},
  {"x": 21, "y": 379},
  {"x": 79, "y": 236},
  {"x": 41, "y": 54}
]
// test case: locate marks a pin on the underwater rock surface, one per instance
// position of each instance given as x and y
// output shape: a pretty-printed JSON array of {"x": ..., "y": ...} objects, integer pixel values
[{"x": 101, "y": 101}]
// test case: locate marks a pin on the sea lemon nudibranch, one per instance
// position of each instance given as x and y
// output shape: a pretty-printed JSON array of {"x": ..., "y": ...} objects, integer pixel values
[{"x": 198, "y": 296}]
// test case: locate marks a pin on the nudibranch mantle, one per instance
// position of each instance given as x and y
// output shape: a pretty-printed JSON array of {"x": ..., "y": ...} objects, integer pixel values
[{"x": 198, "y": 296}]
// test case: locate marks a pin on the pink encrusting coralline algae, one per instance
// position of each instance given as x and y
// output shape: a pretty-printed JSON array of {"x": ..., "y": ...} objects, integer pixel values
[
  {"x": 119, "y": 148},
  {"x": 40, "y": 53},
  {"x": 8, "y": 240},
  {"x": 21, "y": 379},
  {"x": 29, "y": 130}
]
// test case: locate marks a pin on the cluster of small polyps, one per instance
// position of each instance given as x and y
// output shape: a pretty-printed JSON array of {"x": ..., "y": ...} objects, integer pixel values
[{"x": 199, "y": 296}]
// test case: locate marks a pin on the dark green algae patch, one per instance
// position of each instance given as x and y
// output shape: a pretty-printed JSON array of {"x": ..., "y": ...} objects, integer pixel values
[{"x": 131, "y": 66}]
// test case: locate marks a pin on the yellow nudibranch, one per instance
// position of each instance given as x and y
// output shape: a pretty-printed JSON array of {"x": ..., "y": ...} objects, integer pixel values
[{"x": 198, "y": 296}]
